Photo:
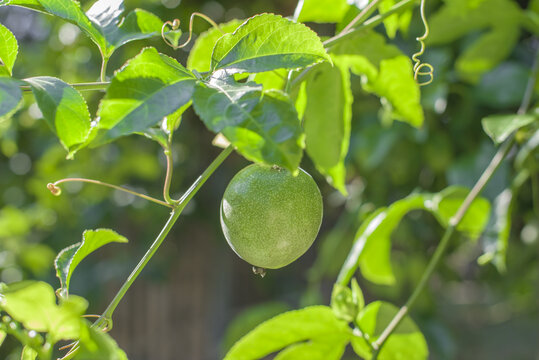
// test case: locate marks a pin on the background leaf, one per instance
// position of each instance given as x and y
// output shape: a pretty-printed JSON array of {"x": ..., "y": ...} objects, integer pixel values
[
  {"x": 200, "y": 55},
  {"x": 8, "y": 48},
  {"x": 499, "y": 127},
  {"x": 317, "y": 324},
  {"x": 33, "y": 304},
  {"x": 263, "y": 126},
  {"x": 64, "y": 109},
  {"x": 321, "y": 11},
  {"x": 327, "y": 121},
  {"x": 406, "y": 341},
  {"x": 31, "y": 4},
  {"x": 148, "y": 88},
  {"x": 10, "y": 96},
  {"x": 68, "y": 259},
  {"x": 267, "y": 42}
]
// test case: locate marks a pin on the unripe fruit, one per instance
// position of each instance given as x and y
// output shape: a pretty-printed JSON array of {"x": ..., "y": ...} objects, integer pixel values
[{"x": 270, "y": 217}]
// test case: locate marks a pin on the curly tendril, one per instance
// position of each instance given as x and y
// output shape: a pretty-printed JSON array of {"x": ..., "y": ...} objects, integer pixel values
[
  {"x": 176, "y": 24},
  {"x": 420, "y": 68}
]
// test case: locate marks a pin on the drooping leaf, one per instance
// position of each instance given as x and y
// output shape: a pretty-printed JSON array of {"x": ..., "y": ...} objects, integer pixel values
[
  {"x": 327, "y": 121},
  {"x": 68, "y": 259},
  {"x": 33, "y": 304},
  {"x": 64, "y": 109},
  {"x": 263, "y": 126},
  {"x": 200, "y": 55},
  {"x": 499, "y": 127},
  {"x": 385, "y": 71},
  {"x": 148, "y": 88},
  {"x": 372, "y": 247},
  {"x": 8, "y": 48},
  {"x": 10, "y": 96},
  {"x": 267, "y": 42},
  {"x": 406, "y": 341},
  {"x": 321, "y": 11},
  {"x": 316, "y": 324}
]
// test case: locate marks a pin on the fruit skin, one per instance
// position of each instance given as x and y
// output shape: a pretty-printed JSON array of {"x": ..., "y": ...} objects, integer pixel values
[{"x": 269, "y": 217}]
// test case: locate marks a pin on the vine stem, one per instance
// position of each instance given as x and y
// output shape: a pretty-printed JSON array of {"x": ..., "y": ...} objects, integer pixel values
[
  {"x": 176, "y": 212},
  {"x": 168, "y": 176},
  {"x": 362, "y": 16},
  {"x": 104, "y": 63},
  {"x": 53, "y": 187},
  {"x": 456, "y": 219},
  {"x": 89, "y": 86}
]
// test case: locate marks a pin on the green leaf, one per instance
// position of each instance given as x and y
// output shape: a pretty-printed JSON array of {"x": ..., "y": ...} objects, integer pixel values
[
  {"x": 148, "y": 88},
  {"x": 321, "y": 11},
  {"x": 327, "y": 121},
  {"x": 3, "y": 335},
  {"x": 64, "y": 109},
  {"x": 31, "y": 4},
  {"x": 8, "y": 48},
  {"x": 394, "y": 22},
  {"x": 200, "y": 55},
  {"x": 107, "y": 17},
  {"x": 96, "y": 344},
  {"x": 28, "y": 353},
  {"x": 329, "y": 348},
  {"x": 263, "y": 126},
  {"x": 372, "y": 248},
  {"x": 70, "y": 10},
  {"x": 10, "y": 96},
  {"x": 249, "y": 319},
  {"x": 67, "y": 260},
  {"x": 406, "y": 341},
  {"x": 446, "y": 203},
  {"x": 267, "y": 42},
  {"x": 316, "y": 324},
  {"x": 33, "y": 304},
  {"x": 386, "y": 72},
  {"x": 499, "y": 127}
]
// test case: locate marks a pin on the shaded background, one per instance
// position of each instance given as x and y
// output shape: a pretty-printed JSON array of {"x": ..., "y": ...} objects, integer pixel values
[{"x": 196, "y": 297}]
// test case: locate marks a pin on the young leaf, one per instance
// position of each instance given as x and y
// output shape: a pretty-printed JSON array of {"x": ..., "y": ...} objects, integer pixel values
[
  {"x": 327, "y": 121},
  {"x": 148, "y": 88},
  {"x": 386, "y": 72},
  {"x": 499, "y": 127},
  {"x": 406, "y": 341},
  {"x": 8, "y": 48},
  {"x": 10, "y": 96},
  {"x": 321, "y": 11},
  {"x": 316, "y": 324},
  {"x": 67, "y": 260},
  {"x": 33, "y": 304},
  {"x": 200, "y": 55},
  {"x": 263, "y": 126},
  {"x": 267, "y": 42},
  {"x": 64, "y": 109}
]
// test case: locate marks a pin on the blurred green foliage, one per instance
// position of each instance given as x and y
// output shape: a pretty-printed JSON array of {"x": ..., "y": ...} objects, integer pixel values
[{"x": 482, "y": 51}]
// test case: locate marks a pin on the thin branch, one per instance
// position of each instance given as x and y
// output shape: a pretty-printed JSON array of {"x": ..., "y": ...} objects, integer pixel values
[
  {"x": 168, "y": 177},
  {"x": 362, "y": 16},
  {"x": 79, "y": 86},
  {"x": 53, "y": 187}
]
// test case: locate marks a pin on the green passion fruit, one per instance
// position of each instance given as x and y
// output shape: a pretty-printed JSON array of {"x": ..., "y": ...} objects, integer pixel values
[{"x": 270, "y": 217}]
